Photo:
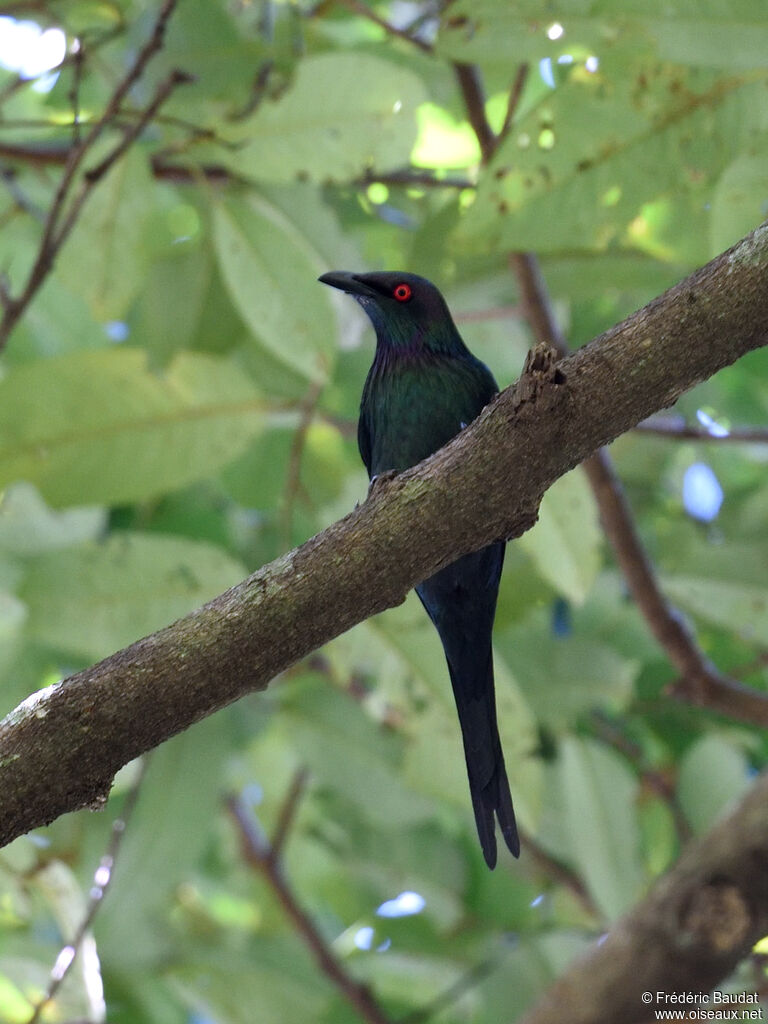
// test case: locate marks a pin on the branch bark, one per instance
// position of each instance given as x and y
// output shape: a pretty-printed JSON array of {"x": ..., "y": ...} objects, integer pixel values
[
  {"x": 60, "y": 749},
  {"x": 698, "y": 921}
]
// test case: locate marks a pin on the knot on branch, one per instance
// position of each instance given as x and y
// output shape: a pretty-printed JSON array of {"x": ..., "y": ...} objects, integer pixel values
[
  {"x": 540, "y": 375},
  {"x": 717, "y": 918}
]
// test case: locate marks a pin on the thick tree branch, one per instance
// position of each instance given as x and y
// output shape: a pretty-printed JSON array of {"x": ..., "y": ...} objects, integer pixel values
[
  {"x": 701, "y": 683},
  {"x": 60, "y": 749},
  {"x": 696, "y": 924}
]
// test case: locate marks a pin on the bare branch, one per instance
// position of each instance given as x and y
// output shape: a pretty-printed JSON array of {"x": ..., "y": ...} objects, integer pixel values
[
  {"x": 560, "y": 874},
  {"x": 164, "y": 90},
  {"x": 468, "y": 77},
  {"x": 701, "y": 683},
  {"x": 357, "y": 7},
  {"x": 258, "y": 853},
  {"x": 62, "y": 213},
  {"x": 515, "y": 93},
  {"x": 471, "y": 978},
  {"x": 678, "y": 430},
  {"x": 288, "y": 811}
]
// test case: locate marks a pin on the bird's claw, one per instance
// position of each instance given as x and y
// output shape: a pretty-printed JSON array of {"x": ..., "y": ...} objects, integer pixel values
[{"x": 380, "y": 478}]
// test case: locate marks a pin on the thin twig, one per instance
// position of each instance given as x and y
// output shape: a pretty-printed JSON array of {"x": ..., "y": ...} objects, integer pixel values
[
  {"x": 411, "y": 176},
  {"x": 59, "y": 221},
  {"x": 102, "y": 879},
  {"x": 78, "y": 58},
  {"x": 560, "y": 874},
  {"x": 700, "y": 683},
  {"x": 468, "y": 77},
  {"x": 357, "y": 7},
  {"x": 258, "y": 91},
  {"x": 469, "y": 980},
  {"x": 163, "y": 167},
  {"x": 514, "y": 99},
  {"x": 257, "y": 852},
  {"x": 164, "y": 90},
  {"x": 655, "y": 781},
  {"x": 677, "y": 429},
  {"x": 288, "y": 811}
]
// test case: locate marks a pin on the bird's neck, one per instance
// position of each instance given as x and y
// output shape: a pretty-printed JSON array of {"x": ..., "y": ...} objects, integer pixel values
[{"x": 410, "y": 344}]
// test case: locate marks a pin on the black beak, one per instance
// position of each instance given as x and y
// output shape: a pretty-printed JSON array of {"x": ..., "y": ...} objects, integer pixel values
[{"x": 352, "y": 284}]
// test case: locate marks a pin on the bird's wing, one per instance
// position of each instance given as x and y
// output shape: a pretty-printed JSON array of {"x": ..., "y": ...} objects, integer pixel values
[{"x": 364, "y": 440}]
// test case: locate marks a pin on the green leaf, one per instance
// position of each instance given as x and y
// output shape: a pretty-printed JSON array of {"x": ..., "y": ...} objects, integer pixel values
[
  {"x": 29, "y": 527},
  {"x": 344, "y": 112},
  {"x": 271, "y": 272},
  {"x": 105, "y": 259},
  {"x": 717, "y": 33},
  {"x": 94, "y": 599},
  {"x": 589, "y": 156},
  {"x": 272, "y": 980},
  {"x": 168, "y": 836},
  {"x": 739, "y": 202},
  {"x": 598, "y": 794},
  {"x": 100, "y": 427},
  {"x": 713, "y": 775},
  {"x": 740, "y": 607},
  {"x": 563, "y": 677},
  {"x": 13, "y": 615},
  {"x": 565, "y": 543},
  {"x": 322, "y": 723},
  {"x": 404, "y": 645}
]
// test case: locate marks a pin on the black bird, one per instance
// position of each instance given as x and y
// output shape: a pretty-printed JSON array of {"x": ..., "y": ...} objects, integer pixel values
[{"x": 424, "y": 386}]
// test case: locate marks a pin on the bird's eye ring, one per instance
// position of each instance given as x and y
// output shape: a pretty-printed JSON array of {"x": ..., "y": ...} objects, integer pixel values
[{"x": 402, "y": 292}]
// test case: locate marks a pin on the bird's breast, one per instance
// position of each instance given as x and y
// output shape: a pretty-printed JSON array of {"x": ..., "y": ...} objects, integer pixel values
[{"x": 412, "y": 412}]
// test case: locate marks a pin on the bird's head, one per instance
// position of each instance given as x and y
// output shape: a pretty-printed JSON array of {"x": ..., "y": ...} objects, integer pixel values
[{"x": 405, "y": 309}]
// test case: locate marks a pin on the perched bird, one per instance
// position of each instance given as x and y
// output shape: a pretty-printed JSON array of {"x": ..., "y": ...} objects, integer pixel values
[{"x": 424, "y": 386}]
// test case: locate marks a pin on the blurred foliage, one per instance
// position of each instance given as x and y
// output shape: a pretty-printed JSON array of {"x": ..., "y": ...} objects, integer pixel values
[{"x": 178, "y": 406}]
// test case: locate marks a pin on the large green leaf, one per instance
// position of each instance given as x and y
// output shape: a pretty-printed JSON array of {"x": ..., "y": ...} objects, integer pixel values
[
  {"x": 346, "y": 750},
  {"x": 565, "y": 542},
  {"x": 344, "y": 112},
  {"x": 713, "y": 774},
  {"x": 740, "y": 199},
  {"x": 579, "y": 165},
  {"x": 718, "y": 33},
  {"x": 168, "y": 836},
  {"x": 598, "y": 794},
  {"x": 563, "y": 677},
  {"x": 271, "y": 270},
  {"x": 28, "y": 526},
  {"x": 93, "y": 599},
  {"x": 106, "y": 257},
  {"x": 101, "y": 427},
  {"x": 740, "y": 607}
]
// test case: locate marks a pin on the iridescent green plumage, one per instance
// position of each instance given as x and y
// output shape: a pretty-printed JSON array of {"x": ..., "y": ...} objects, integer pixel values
[{"x": 424, "y": 386}]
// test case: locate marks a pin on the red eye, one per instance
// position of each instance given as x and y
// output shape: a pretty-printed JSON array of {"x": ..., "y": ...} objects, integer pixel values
[{"x": 403, "y": 292}]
